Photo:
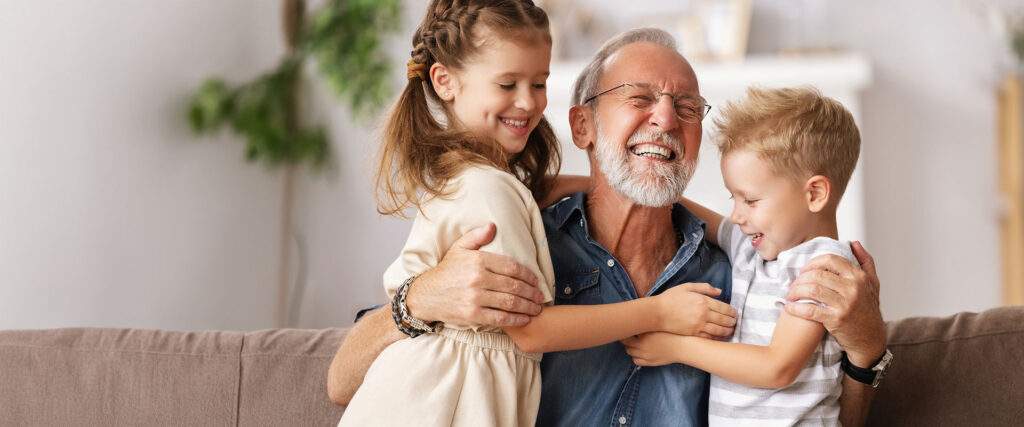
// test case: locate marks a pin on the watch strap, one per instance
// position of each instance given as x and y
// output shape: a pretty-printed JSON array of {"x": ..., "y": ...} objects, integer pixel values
[{"x": 871, "y": 376}]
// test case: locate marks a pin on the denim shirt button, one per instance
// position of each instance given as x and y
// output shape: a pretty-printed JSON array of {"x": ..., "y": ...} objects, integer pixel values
[
  {"x": 694, "y": 235},
  {"x": 622, "y": 420},
  {"x": 611, "y": 263},
  {"x": 567, "y": 290}
]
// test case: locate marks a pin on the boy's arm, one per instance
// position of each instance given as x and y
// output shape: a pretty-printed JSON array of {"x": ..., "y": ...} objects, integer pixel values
[
  {"x": 571, "y": 327},
  {"x": 776, "y": 365},
  {"x": 564, "y": 185},
  {"x": 712, "y": 218}
]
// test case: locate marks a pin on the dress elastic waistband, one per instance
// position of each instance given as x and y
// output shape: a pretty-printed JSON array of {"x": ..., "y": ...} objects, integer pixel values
[{"x": 491, "y": 340}]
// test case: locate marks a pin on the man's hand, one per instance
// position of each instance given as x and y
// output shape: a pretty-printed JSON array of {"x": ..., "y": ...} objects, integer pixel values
[
  {"x": 689, "y": 309},
  {"x": 472, "y": 287},
  {"x": 850, "y": 295},
  {"x": 652, "y": 348}
]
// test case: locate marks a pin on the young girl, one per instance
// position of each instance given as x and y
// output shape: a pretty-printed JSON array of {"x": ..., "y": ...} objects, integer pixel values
[{"x": 484, "y": 64}]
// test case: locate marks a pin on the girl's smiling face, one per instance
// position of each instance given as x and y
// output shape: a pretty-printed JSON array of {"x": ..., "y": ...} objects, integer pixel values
[
  {"x": 501, "y": 92},
  {"x": 769, "y": 207}
]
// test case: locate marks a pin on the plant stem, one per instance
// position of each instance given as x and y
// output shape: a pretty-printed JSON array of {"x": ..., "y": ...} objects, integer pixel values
[{"x": 293, "y": 14}]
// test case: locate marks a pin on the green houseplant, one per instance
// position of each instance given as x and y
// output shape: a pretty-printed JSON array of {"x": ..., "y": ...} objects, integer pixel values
[{"x": 344, "y": 38}]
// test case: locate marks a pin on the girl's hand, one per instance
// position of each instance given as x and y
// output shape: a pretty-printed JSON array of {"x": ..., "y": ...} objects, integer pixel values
[
  {"x": 689, "y": 309},
  {"x": 653, "y": 348}
]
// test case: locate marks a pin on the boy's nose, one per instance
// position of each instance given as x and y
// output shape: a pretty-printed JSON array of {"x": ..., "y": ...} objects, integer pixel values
[{"x": 735, "y": 217}]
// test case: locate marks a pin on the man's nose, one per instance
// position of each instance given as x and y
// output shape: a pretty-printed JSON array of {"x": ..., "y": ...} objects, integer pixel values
[{"x": 663, "y": 114}]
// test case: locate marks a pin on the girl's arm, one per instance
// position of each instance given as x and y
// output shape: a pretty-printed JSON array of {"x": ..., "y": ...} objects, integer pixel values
[
  {"x": 686, "y": 309},
  {"x": 776, "y": 365},
  {"x": 712, "y": 218},
  {"x": 564, "y": 185}
]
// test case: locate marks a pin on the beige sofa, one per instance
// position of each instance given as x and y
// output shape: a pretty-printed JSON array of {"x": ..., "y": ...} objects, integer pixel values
[{"x": 966, "y": 369}]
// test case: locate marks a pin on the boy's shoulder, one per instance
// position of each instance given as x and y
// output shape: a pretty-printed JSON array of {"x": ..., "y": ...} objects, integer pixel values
[{"x": 800, "y": 254}]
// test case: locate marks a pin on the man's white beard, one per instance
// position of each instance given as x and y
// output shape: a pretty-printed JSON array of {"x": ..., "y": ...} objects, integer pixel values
[{"x": 652, "y": 184}]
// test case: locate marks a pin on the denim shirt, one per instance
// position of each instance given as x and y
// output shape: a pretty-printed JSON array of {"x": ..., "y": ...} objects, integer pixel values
[{"x": 601, "y": 386}]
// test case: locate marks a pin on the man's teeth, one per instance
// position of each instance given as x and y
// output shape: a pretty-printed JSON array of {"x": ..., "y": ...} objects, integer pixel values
[
  {"x": 516, "y": 123},
  {"x": 652, "y": 151}
]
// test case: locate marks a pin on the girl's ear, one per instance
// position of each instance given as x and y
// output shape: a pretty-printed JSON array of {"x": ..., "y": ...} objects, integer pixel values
[
  {"x": 818, "y": 190},
  {"x": 443, "y": 82}
]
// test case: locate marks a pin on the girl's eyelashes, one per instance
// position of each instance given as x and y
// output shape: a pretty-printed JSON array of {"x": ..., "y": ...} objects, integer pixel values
[
  {"x": 511, "y": 86},
  {"x": 750, "y": 202}
]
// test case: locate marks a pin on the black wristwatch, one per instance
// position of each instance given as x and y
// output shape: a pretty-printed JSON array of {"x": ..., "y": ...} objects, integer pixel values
[{"x": 870, "y": 376}]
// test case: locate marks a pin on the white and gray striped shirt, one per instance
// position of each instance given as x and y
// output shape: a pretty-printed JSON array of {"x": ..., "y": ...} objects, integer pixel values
[{"x": 759, "y": 295}]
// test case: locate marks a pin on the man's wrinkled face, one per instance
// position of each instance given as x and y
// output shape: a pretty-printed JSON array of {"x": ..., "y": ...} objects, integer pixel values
[
  {"x": 645, "y": 148},
  {"x": 655, "y": 181}
]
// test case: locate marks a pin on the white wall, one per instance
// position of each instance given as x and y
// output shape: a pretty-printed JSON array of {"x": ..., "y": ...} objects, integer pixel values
[{"x": 113, "y": 214}]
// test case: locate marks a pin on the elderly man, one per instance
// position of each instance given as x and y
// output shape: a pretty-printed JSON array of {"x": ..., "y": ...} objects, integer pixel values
[{"x": 637, "y": 111}]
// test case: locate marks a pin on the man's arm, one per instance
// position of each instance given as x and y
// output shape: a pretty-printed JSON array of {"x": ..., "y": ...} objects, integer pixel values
[
  {"x": 851, "y": 314},
  {"x": 367, "y": 339},
  {"x": 468, "y": 286}
]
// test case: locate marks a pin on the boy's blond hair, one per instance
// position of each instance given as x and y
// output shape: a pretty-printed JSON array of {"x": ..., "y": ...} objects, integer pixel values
[{"x": 797, "y": 130}]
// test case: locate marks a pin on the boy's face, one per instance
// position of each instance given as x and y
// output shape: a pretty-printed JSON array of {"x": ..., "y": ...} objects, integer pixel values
[{"x": 769, "y": 207}]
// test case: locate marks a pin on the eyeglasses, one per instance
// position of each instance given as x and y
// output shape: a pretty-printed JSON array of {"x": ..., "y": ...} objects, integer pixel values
[{"x": 688, "y": 108}]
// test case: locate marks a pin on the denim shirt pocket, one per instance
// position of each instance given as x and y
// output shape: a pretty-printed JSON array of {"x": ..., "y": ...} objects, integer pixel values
[{"x": 570, "y": 288}]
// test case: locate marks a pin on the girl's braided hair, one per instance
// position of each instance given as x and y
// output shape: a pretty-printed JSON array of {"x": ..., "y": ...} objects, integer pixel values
[{"x": 419, "y": 155}]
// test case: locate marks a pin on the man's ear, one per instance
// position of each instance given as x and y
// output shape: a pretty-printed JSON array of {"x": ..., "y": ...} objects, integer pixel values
[
  {"x": 818, "y": 190},
  {"x": 581, "y": 123},
  {"x": 443, "y": 81}
]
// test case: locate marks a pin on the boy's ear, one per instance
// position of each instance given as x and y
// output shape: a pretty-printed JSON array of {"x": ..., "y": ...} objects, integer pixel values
[
  {"x": 818, "y": 190},
  {"x": 443, "y": 81},
  {"x": 581, "y": 123}
]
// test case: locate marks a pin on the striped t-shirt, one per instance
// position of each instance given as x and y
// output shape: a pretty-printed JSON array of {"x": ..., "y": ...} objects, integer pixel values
[{"x": 759, "y": 295}]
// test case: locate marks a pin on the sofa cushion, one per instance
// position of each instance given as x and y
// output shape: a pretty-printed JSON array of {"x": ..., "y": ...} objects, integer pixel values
[
  {"x": 92, "y": 376},
  {"x": 284, "y": 377},
  {"x": 967, "y": 369}
]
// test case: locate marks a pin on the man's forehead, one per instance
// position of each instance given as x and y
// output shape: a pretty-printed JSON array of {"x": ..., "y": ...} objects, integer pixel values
[{"x": 655, "y": 65}]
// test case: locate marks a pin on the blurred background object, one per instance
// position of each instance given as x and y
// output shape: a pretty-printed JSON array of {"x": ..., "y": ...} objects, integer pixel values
[
  {"x": 113, "y": 216},
  {"x": 345, "y": 37}
]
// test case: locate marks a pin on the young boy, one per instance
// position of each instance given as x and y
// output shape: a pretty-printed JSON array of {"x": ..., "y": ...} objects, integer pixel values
[{"x": 787, "y": 155}]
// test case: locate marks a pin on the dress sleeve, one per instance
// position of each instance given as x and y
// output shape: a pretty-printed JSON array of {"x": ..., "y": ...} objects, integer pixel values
[{"x": 481, "y": 196}]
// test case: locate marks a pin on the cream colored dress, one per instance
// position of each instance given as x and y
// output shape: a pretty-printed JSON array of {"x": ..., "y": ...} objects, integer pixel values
[{"x": 463, "y": 375}]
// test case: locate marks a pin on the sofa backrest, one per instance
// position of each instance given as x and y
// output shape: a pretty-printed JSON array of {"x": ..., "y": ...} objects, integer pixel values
[
  {"x": 966, "y": 369},
  {"x": 962, "y": 370},
  {"x": 93, "y": 376}
]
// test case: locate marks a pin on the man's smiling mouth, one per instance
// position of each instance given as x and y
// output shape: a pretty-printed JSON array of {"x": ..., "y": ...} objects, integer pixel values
[{"x": 652, "y": 151}]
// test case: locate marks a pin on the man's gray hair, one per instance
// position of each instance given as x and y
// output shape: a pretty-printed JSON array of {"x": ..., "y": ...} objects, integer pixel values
[{"x": 586, "y": 83}]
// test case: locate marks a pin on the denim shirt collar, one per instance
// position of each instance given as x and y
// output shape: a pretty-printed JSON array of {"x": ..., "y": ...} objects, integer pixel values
[{"x": 689, "y": 225}]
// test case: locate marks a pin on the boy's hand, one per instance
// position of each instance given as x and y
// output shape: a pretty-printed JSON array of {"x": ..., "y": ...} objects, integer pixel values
[
  {"x": 689, "y": 309},
  {"x": 653, "y": 348}
]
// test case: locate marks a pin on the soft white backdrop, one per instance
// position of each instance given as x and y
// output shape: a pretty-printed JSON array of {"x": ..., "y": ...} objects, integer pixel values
[{"x": 112, "y": 214}]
